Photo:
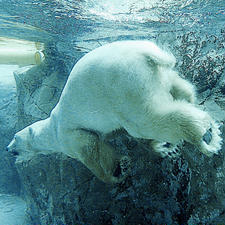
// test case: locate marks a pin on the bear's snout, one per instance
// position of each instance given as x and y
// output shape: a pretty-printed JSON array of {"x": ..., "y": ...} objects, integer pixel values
[{"x": 11, "y": 148}]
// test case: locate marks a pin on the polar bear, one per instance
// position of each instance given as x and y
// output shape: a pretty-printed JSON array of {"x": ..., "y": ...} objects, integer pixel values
[{"x": 125, "y": 84}]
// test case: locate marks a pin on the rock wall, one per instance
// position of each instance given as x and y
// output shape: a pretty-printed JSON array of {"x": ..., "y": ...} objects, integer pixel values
[
  {"x": 9, "y": 180},
  {"x": 186, "y": 190}
]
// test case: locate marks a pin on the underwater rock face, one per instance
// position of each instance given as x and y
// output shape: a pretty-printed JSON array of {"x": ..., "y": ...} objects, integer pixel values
[
  {"x": 65, "y": 192},
  {"x": 186, "y": 190},
  {"x": 9, "y": 182},
  {"x": 8, "y": 110},
  {"x": 38, "y": 91}
]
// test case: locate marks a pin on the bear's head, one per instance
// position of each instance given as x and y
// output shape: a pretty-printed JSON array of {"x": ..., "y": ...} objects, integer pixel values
[{"x": 20, "y": 142}]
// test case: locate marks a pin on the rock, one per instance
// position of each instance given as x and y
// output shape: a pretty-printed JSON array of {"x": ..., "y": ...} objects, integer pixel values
[
  {"x": 202, "y": 59},
  {"x": 186, "y": 190},
  {"x": 9, "y": 182},
  {"x": 8, "y": 107},
  {"x": 38, "y": 90},
  {"x": 65, "y": 192}
]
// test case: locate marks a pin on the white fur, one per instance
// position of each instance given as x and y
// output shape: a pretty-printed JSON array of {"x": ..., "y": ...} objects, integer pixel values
[{"x": 130, "y": 85}]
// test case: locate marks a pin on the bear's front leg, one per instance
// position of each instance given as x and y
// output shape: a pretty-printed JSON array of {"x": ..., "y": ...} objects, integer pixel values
[
  {"x": 96, "y": 155},
  {"x": 180, "y": 120}
]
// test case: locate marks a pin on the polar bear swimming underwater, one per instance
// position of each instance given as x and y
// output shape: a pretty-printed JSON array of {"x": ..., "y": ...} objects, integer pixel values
[{"x": 127, "y": 84}]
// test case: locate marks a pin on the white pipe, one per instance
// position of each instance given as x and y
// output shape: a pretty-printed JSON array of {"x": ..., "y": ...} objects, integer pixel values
[
  {"x": 19, "y": 52},
  {"x": 20, "y": 57}
]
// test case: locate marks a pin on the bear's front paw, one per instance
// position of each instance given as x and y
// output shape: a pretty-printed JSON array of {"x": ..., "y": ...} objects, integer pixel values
[
  {"x": 211, "y": 141},
  {"x": 122, "y": 168}
]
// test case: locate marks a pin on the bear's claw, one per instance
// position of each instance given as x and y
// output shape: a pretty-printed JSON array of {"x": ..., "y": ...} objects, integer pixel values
[
  {"x": 207, "y": 137},
  {"x": 123, "y": 167},
  {"x": 211, "y": 140}
]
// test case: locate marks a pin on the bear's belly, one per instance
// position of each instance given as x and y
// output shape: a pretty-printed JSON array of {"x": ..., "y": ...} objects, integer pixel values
[
  {"x": 90, "y": 118},
  {"x": 99, "y": 121}
]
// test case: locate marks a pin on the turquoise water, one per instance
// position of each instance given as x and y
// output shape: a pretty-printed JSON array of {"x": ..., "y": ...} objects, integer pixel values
[{"x": 69, "y": 23}]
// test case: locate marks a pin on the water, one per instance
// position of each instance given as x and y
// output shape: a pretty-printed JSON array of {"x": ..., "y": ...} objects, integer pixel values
[
  {"x": 7, "y": 80},
  {"x": 74, "y": 23},
  {"x": 73, "y": 28},
  {"x": 12, "y": 210}
]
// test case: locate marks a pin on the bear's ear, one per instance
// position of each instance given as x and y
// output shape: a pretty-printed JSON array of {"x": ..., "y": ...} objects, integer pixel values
[
  {"x": 31, "y": 132},
  {"x": 160, "y": 58},
  {"x": 151, "y": 61}
]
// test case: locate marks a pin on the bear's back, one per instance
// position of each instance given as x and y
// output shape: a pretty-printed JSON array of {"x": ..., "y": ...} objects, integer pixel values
[
  {"x": 111, "y": 79},
  {"x": 118, "y": 66}
]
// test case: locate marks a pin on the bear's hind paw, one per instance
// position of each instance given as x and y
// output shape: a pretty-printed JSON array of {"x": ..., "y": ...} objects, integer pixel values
[{"x": 165, "y": 149}]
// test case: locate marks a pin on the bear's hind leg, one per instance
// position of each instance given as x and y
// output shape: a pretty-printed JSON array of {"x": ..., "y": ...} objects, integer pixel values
[
  {"x": 97, "y": 156},
  {"x": 105, "y": 164}
]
